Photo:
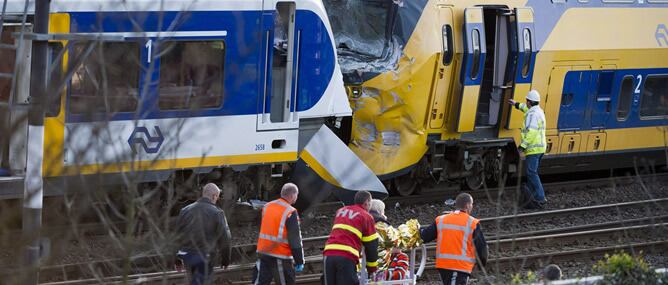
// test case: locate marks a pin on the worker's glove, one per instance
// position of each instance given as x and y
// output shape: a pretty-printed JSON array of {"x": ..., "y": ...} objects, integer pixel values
[
  {"x": 299, "y": 268},
  {"x": 371, "y": 270},
  {"x": 521, "y": 149}
]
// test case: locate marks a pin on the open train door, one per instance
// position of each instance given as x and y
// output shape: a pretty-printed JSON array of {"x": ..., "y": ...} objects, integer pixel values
[
  {"x": 277, "y": 94},
  {"x": 526, "y": 55},
  {"x": 471, "y": 76}
]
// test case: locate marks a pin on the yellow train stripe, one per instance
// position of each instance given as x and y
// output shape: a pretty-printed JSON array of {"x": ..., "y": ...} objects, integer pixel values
[
  {"x": 54, "y": 127},
  {"x": 180, "y": 163},
  {"x": 318, "y": 168}
]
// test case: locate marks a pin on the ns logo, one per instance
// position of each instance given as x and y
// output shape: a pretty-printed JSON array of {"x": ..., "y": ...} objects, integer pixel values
[
  {"x": 141, "y": 137},
  {"x": 661, "y": 35}
]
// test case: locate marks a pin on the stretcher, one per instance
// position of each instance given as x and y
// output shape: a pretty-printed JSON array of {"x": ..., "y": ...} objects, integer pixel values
[{"x": 411, "y": 277}]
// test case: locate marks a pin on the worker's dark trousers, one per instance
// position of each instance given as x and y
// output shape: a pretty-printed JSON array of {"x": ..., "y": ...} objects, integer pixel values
[
  {"x": 268, "y": 268},
  {"x": 339, "y": 271},
  {"x": 533, "y": 180},
  {"x": 452, "y": 277},
  {"x": 199, "y": 268}
]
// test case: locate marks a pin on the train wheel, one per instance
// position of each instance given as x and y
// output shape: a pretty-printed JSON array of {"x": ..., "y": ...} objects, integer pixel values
[
  {"x": 476, "y": 180},
  {"x": 406, "y": 185},
  {"x": 493, "y": 170}
]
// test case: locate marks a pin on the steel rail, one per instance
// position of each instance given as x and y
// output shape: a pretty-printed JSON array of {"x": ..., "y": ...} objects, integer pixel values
[{"x": 313, "y": 263}]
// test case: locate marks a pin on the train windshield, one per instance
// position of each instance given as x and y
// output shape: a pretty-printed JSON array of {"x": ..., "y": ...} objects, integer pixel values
[{"x": 363, "y": 30}]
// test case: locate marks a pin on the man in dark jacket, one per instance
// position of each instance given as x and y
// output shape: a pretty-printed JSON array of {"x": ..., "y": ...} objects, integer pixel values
[{"x": 203, "y": 229}]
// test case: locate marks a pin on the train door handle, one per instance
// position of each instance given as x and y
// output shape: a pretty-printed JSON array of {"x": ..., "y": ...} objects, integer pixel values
[
  {"x": 571, "y": 145},
  {"x": 548, "y": 148}
]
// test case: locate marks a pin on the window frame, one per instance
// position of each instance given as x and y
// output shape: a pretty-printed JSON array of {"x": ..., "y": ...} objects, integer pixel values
[
  {"x": 70, "y": 109},
  {"x": 160, "y": 60},
  {"x": 476, "y": 54},
  {"x": 629, "y": 99},
  {"x": 647, "y": 77},
  {"x": 448, "y": 48},
  {"x": 527, "y": 52}
]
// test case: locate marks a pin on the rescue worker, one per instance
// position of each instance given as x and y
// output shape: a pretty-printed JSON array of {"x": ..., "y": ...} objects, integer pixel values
[
  {"x": 533, "y": 145},
  {"x": 279, "y": 245},
  {"x": 377, "y": 211},
  {"x": 353, "y": 228},
  {"x": 460, "y": 242},
  {"x": 202, "y": 229}
]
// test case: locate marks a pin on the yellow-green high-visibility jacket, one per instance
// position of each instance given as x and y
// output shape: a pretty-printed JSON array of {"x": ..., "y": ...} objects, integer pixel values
[{"x": 533, "y": 131}]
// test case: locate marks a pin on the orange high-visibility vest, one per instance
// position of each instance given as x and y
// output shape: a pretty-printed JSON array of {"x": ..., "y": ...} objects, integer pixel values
[
  {"x": 454, "y": 248},
  {"x": 273, "y": 239}
]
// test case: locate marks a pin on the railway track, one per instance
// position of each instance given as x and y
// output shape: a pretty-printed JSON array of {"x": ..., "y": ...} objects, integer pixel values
[
  {"x": 505, "y": 246},
  {"x": 246, "y": 253},
  {"x": 435, "y": 193}
]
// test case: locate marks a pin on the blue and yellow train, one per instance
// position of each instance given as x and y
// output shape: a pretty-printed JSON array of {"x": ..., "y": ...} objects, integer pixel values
[
  {"x": 235, "y": 91},
  {"x": 428, "y": 81}
]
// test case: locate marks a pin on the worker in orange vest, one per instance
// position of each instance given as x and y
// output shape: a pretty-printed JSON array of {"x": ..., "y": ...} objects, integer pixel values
[
  {"x": 460, "y": 242},
  {"x": 279, "y": 245},
  {"x": 353, "y": 228}
]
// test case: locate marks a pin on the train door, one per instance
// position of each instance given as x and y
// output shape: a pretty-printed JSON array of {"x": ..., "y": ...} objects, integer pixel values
[
  {"x": 574, "y": 100},
  {"x": 496, "y": 77},
  {"x": 278, "y": 91},
  {"x": 471, "y": 74},
  {"x": 442, "y": 82},
  {"x": 600, "y": 107},
  {"x": 525, "y": 53}
]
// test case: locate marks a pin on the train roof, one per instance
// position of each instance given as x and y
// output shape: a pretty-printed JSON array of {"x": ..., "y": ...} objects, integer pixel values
[{"x": 17, "y": 7}]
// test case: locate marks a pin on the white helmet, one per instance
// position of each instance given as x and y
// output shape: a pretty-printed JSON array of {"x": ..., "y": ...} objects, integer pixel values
[{"x": 533, "y": 96}]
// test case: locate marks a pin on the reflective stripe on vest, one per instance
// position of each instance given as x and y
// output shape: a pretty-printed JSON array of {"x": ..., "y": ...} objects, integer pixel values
[
  {"x": 273, "y": 240},
  {"x": 533, "y": 132},
  {"x": 349, "y": 228},
  {"x": 446, "y": 249},
  {"x": 343, "y": 247},
  {"x": 356, "y": 232}
]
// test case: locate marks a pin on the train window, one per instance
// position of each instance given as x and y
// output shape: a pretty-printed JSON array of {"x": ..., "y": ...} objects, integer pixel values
[
  {"x": 625, "y": 97},
  {"x": 447, "y": 44},
  {"x": 567, "y": 99},
  {"x": 526, "y": 34},
  {"x": 605, "y": 80},
  {"x": 106, "y": 80},
  {"x": 475, "y": 40},
  {"x": 191, "y": 75},
  {"x": 654, "y": 98}
]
